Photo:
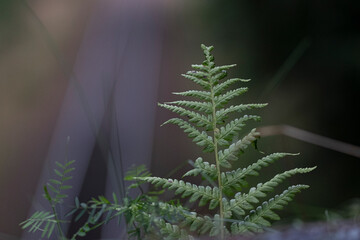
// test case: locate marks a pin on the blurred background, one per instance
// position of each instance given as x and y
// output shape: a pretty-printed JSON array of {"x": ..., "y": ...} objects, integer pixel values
[{"x": 303, "y": 58}]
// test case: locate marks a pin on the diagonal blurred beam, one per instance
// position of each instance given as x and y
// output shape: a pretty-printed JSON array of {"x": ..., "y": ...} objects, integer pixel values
[
  {"x": 312, "y": 138},
  {"x": 286, "y": 67}
]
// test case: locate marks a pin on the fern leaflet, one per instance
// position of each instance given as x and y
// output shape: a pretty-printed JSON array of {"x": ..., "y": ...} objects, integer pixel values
[{"x": 257, "y": 218}]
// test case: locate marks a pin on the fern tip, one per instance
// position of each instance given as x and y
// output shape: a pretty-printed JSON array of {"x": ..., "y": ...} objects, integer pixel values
[
  {"x": 204, "y": 47},
  {"x": 312, "y": 168},
  {"x": 245, "y": 80}
]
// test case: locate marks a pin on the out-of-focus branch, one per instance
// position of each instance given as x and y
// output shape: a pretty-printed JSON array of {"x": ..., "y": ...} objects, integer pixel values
[{"x": 310, "y": 137}]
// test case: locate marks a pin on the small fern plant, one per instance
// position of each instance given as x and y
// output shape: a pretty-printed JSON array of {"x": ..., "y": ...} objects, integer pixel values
[
  {"x": 226, "y": 194},
  {"x": 138, "y": 212},
  {"x": 49, "y": 222},
  {"x": 207, "y": 121}
]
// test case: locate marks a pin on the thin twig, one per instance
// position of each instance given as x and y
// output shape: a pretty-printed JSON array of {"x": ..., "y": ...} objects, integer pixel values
[{"x": 312, "y": 138}]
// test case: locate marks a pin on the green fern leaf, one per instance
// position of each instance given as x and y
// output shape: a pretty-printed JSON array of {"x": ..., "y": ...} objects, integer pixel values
[
  {"x": 172, "y": 211},
  {"x": 46, "y": 221},
  {"x": 219, "y": 69},
  {"x": 200, "y": 120},
  {"x": 60, "y": 165},
  {"x": 134, "y": 171},
  {"x": 202, "y": 167},
  {"x": 235, "y": 179},
  {"x": 200, "y": 138},
  {"x": 230, "y": 154},
  {"x": 209, "y": 59},
  {"x": 205, "y": 194},
  {"x": 172, "y": 232},
  {"x": 198, "y": 78},
  {"x": 231, "y": 129},
  {"x": 215, "y": 78},
  {"x": 223, "y": 99},
  {"x": 204, "y": 95},
  {"x": 261, "y": 188},
  {"x": 211, "y": 114},
  {"x": 220, "y": 88},
  {"x": 40, "y": 221},
  {"x": 205, "y": 107},
  {"x": 58, "y": 185},
  {"x": 256, "y": 220},
  {"x": 222, "y": 114},
  {"x": 199, "y": 67},
  {"x": 243, "y": 202},
  {"x": 201, "y": 224}
]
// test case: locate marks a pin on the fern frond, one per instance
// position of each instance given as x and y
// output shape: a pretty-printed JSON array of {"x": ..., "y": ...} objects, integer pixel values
[
  {"x": 196, "y": 223},
  {"x": 216, "y": 227},
  {"x": 213, "y": 74},
  {"x": 202, "y": 167},
  {"x": 203, "y": 224},
  {"x": 261, "y": 189},
  {"x": 223, "y": 99},
  {"x": 205, "y": 194},
  {"x": 243, "y": 202},
  {"x": 199, "y": 67},
  {"x": 171, "y": 210},
  {"x": 204, "y": 95},
  {"x": 214, "y": 79},
  {"x": 257, "y": 219},
  {"x": 220, "y": 69},
  {"x": 220, "y": 88},
  {"x": 98, "y": 211},
  {"x": 232, "y": 128},
  {"x": 184, "y": 217},
  {"x": 46, "y": 221},
  {"x": 223, "y": 113},
  {"x": 198, "y": 78},
  {"x": 210, "y": 113},
  {"x": 200, "y": 138},
  {"x": 205, "y": 107},
  {"x": 209, "y": 58},
  {"x": 171, "y": 232},
  {"x": 40, "y": 221},
  {"x": 230, "y": 154},
  {"x": 235, "y": 179},
  {"x": 136, "y": 171},
  {"x": 58, "y": 185},
  {"x": 198, "y": 119}
]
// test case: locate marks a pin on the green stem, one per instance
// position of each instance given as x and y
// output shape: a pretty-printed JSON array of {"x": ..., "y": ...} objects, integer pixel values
[
  {"x": 62, "y": 236},
  {"x": 218, "y": 171}
]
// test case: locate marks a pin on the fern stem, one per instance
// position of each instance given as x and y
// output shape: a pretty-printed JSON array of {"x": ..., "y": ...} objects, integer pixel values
[
  {"x": 217, "y": 162},
  {"x": 62, "y": 236},
  {"x": 53, "y": 204}
]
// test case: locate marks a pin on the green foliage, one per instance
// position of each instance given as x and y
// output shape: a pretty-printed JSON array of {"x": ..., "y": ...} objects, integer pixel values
[
  {"x": 208, "y": 121},
  {"x": 170, "y": 231},
  {"x": 98, "y": 211},
  {"x": 205, "y": 194},
  {"x": 57, "y": 186},
  {"x": 234, "y": 208},
  {"x": 46, "y": 221},
  {"x": 40, "y": 221},
  {"x": 139, "y": 213},
  {"x": 257, "y": 218}
]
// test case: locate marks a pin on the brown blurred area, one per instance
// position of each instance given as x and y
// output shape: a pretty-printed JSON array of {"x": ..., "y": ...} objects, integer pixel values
[{"x": 38, "y": 45}]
